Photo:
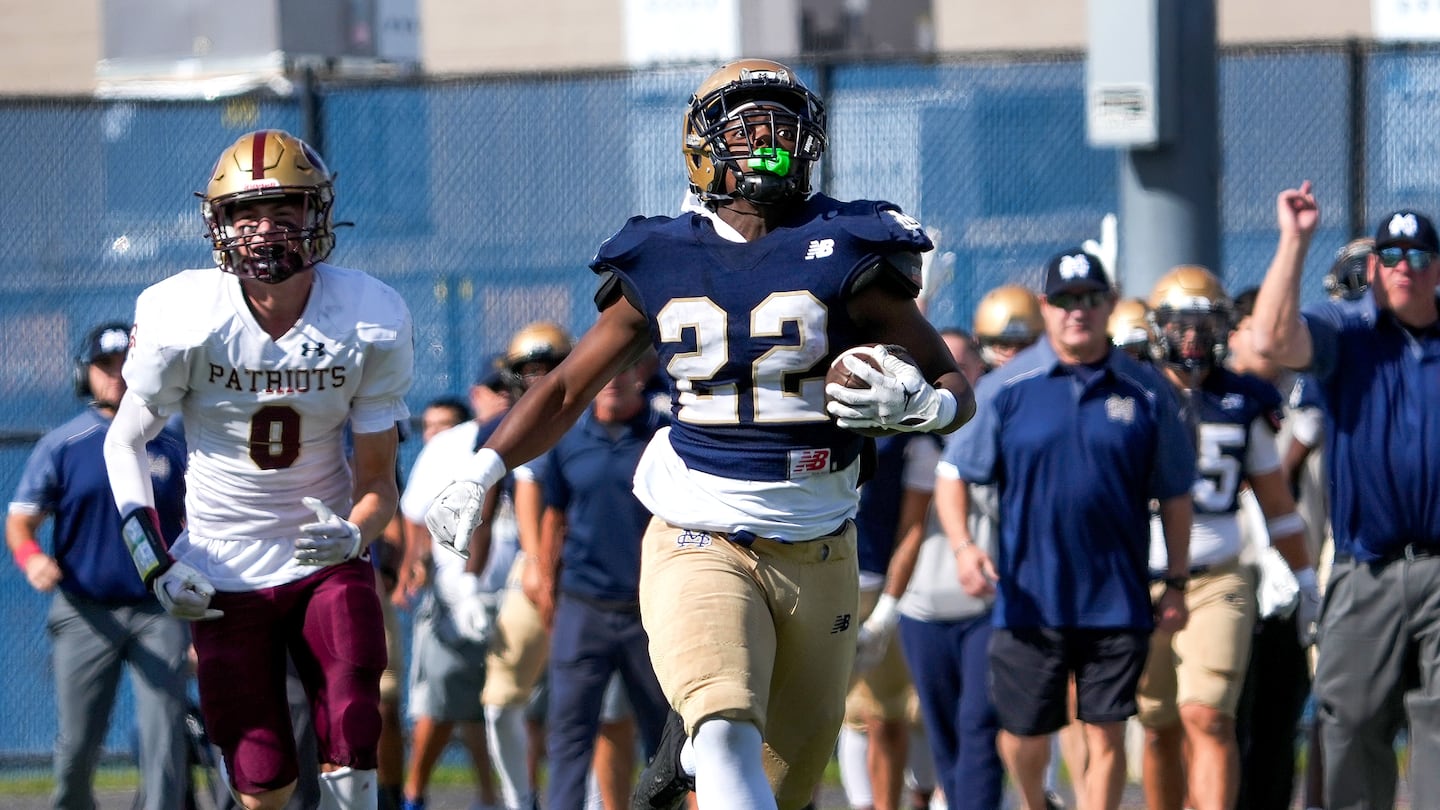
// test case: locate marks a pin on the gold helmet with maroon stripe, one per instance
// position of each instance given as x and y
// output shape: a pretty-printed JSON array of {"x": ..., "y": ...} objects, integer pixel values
[
  {"x": 269, "y": 165},
  {"x": 724, "y": 111}
]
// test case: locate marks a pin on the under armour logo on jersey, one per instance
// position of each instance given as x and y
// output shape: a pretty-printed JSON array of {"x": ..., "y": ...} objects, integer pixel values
[
  {"x": 842, "y": 623},
  {"x": 1231, "y": 402},
  {"x": 819, "y": 249},
  {"x": 1076, "y": 266},
  {"x": 1403, "y": 225},
  {"x": 307, "y": 349}
]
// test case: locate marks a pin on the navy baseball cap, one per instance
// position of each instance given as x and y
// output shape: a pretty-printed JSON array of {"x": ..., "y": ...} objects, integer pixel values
[
  {"x": 1408, "y": 228},
  {"x": 492, "y": 373},
  {"x": 105, "y": 339},
  {"x": 1075, "y": 271}
]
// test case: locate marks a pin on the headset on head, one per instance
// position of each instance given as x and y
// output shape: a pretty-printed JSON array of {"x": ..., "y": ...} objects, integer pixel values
[{"x": 87, "y": 355}]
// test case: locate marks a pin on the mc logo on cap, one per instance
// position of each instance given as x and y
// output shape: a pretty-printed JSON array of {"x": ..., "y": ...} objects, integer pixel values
[
  {"x": 1404, "y": 225},
  {"x": 1076, "y": 266}
]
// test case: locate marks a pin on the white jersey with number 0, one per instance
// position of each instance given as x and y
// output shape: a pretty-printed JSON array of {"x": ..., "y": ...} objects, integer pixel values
[{"x": 265, "y": 419}]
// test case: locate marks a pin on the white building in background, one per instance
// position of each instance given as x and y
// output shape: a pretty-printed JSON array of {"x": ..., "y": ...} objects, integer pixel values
[{"x": 117, "y": 47}]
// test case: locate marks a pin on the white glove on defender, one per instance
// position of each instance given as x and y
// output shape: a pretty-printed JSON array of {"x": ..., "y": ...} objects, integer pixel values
[
  {"x": 185, "y": 593},
  {"x": 898, "y": 398},
  {"x": 474, "y": 618},
  {"x": 875, "y": 634},
  {"x": 332, "y": 540},
  {"x": 455, "y": 512}
]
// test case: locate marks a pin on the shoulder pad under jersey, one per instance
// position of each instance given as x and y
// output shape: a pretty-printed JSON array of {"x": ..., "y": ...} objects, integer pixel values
[
  {"x": 377, "y": 309},
  {"x": 627, "y": 240},
  {"x": 883, "y": 225}
]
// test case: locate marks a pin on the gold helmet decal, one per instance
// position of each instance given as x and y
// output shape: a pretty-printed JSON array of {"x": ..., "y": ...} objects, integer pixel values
[
  {"x": 269, "y": 165},
  {"x": 722, "y": 130}
]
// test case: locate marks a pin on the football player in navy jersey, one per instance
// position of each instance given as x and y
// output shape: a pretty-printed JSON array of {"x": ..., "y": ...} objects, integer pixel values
[
  {"x": 749, "y": 579},
  {"x": 1192, "y": 681}
]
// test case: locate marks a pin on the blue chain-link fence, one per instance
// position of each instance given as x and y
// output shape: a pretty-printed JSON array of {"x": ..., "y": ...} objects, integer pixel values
[{"x": 482, "y": 201}]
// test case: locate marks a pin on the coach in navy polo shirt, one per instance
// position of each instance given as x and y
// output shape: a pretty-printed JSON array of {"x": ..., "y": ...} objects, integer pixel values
[
  {"x": 1079, "y": 437},
  {"x": 1377, "y": 361},
  {"x": 102, "y": 618},
  {"x": 591, "y": 531}
]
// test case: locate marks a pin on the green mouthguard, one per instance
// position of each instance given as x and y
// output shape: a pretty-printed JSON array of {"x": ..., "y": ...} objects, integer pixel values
[{"x": 772, "y": 160}]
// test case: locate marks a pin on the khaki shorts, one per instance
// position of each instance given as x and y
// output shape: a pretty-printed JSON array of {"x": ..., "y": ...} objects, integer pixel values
[
  {"x": 1204, "y": 663},
  {"x": 520, "y": 648},
  {"x": 885, "y": 692},
  {"x": 763, "y": 634}
]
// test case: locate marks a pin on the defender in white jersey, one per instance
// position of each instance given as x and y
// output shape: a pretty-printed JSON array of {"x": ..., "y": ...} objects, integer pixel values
[{"x": 290, "y": 375}]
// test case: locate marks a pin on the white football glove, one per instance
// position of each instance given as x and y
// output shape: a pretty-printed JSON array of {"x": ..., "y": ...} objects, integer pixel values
[
  {"x": 1278, "y": 593},
  {"x": 898, "y": 398},
  {"x": 455, "y": 512},
  {"x": 454, "y": 515},
  {"x": 1307, "y": 608},
  {"x": 474, "y": 618},
  {"x": 185, "y": 593},
  {"x": 331, "y": 540},
  {"x": 875, "y": 634}
]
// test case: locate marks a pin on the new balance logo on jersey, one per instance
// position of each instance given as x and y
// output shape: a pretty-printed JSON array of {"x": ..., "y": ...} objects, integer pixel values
[
  {"x": 842, "y": 623},
  {"x": 308, "y": 349},
  {"x": 819, "y": 249},
  {"x": 809, "y": 461}
]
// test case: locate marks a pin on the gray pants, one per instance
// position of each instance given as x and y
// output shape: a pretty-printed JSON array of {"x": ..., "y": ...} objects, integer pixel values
[
  {"x": 1379, "y": 661},
  {"x": 90, "y": 643}
]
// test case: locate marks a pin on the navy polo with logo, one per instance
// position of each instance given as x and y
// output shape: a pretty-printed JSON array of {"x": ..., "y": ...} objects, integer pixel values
[
  {"x": 1380, "y": 383},
  {"x": 1077, "y": 454},
  {"x": 66, "y": 477}
]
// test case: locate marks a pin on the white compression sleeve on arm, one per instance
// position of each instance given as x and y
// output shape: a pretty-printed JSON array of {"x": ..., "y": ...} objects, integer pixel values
[{"x": 125, "y": 457}]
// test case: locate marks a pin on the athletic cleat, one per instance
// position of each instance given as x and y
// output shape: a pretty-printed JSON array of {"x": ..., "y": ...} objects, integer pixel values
[
  {"x": 664, "y": 784},
  {"x": 1053, "y": 801}
]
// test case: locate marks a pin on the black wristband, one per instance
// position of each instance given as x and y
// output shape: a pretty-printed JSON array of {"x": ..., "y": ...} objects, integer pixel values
[
  {"x": 141, "y": 530},
  {"x": 1177, "y": 583}
]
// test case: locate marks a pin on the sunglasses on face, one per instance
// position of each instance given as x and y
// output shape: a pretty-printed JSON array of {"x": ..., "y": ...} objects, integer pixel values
[
  {"x": 1415, "y": 257},
  {"x": 1085, "y": 300}
]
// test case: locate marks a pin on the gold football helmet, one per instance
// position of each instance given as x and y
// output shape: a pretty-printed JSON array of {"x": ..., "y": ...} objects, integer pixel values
[
  {"x": 540, "y": 342},
  {"x": 718, "y": 137},
  {"x": 1007, "y": 319},
  {"x": 1129, "y": 327},
  {"x": 269, "y": 165},
  {"x": 1192, "y": 318}
]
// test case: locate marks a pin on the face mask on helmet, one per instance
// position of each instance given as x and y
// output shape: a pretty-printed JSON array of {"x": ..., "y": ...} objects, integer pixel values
[
  {"x": 535, "y": 351},
  {"x": 753, "y": 121},
  {"x": 1347, "y": 278},
  {"x": 1193, "y": 341},
  {"x": 268, "y": 207}
]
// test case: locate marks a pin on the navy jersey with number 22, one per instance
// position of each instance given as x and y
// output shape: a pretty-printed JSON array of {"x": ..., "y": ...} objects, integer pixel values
[{"x": 747, "y": 330}]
